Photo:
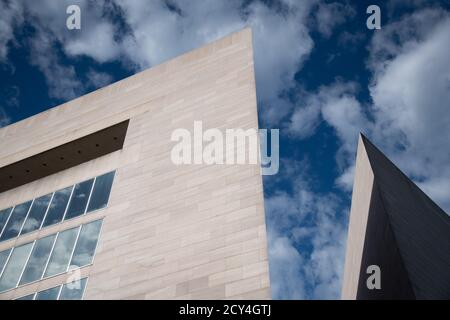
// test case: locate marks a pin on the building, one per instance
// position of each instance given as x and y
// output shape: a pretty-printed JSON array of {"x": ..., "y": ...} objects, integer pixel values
[
  {"x": 91, "y": 205},
  {"x": 397, "y": 227}
]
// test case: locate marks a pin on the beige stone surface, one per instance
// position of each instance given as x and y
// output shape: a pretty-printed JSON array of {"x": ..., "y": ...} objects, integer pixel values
[
  {"x": 359, "y": 213},
  {"x": 169, "y": 232}
]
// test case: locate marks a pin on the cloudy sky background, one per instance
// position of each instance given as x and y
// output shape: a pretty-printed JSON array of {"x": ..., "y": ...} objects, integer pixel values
[{"x": 322, "y": 77}]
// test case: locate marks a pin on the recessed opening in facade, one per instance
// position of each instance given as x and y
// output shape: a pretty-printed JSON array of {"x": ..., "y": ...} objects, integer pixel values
[{"x": 63, "y": 157}]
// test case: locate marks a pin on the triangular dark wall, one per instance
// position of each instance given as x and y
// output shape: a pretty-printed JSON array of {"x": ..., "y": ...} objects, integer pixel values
[
  {"x": 380, "y": 248},
  {"x": 420, "y": 229}
]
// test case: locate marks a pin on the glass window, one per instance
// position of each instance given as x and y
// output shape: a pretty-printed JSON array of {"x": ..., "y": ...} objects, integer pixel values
[
  {"x": 79, "y": 199},
  {"x": 86, "y": 244},
  {"x": 13, "y": 269},
  {"x": 49, "y": 294},
  {"x": 4, "y": 214},
  {"x": 62, "y": 251},
  {"x": 100, "y": 194},
  {"x": 28, "y": 297},
  {"x": 15, "y": 222},
  {"x": 69, "y": 291},
  {"x": 73, "y": 291},
  {"x": 3, "y": 257},
  {"x": 38, "y": 259},
  {"x": 50, "y": 209},
  {"x": 36, "y": 215},
  {"x": 57, "y": 207}
]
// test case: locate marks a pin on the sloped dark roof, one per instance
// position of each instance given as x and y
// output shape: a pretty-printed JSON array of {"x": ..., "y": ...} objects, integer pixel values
[{"x": 420, "y": 228}]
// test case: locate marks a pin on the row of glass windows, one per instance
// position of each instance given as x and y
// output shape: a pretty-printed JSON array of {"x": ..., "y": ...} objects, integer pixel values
[
  {"x": 69, "y": 291},
  {"x": 49, "y": 256},
  {"x": 58, "y": 206}
]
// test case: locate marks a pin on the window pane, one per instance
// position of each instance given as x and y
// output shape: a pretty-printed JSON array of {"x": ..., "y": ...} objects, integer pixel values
[
  {"x": 73, "y": 291},
  {"x": 38, "y": 259},
  {"x": 14, "y": 267},
  {"x": 15, "y": 222},
  {"x": 28, "y": 297},
  {"x": 100, "y": 195},
  {"x": 57, "y": 207},
  {"x": 4, "y": 214},
  {"x": 36, "y": 214},
  {"x": 61, "y": 252},
  {"x": 49, "y": 294},
  {"x": 3, "y": 257},
  {"x": 87, "y": 241},
  {"x": 79, "y": 199}
]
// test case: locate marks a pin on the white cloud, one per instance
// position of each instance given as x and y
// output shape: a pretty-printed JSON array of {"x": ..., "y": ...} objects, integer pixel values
[
  {"x": 12, "y": 15},
  {"x": 394, "y": 6},
  {"x": 62, "y": 80},
  {"x": 350, "y": 40},
  {"x": 307, "y": 237},
  {"x": 11, "y": 96},
  {"x": 330, "y": 15},
  {"x": 281, "y": 38},
  {"x": 299, "y": 272},
  {"x": 305, "y": 120},
  {"x": 337, "y": 106},
  {"x": 285, "y": 269},
  {"x": 156, "y": 32},
  {"x": 98, "y": 79},
  {"x": 410, "y": 121},
  {"x": 97, "y": 42},
  {"x": 48, "y": 18},
  {"x": 344, "y": 113},
  {"x": 96, "y": 39},
  {"x": 411, "y": 94},
  {"x": 345, "y": 180},
  {"x": 410, "y": 91},
  {"x": 4, "y": 118},
  {"x": 327, "y": 259}
]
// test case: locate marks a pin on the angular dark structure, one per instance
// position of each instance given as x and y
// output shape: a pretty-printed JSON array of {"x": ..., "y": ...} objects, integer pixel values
[{"x": 396, "y": 226}]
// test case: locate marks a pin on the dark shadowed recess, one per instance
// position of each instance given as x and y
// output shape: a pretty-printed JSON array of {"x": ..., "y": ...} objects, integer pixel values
[{"x": 63, "y": 157}]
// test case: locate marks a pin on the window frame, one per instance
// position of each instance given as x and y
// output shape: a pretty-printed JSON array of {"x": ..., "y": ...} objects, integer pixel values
[
  {"x": 43, "y": 277},
  {"x": 26, "y": 218},
  {"x": 23, "y": 267},
  {"x": 29, "y": 257},
  {"x": 6, "y": 261},
  {"x": 63, "y": 219},
  {"x": 23, "y": 222},
  {"x": 51, "y": 253},
  {"x": 60, "y": 286},
  {"x": 7, "y": 219},
  {"x": 29, "y": 211},
  {"x": 71, "y": 196},
  {"x": 92, "y": 191}
]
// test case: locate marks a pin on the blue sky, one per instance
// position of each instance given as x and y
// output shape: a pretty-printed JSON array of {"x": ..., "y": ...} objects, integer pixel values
[{"x": 322, "y": 77}]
